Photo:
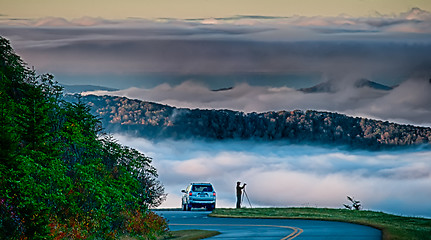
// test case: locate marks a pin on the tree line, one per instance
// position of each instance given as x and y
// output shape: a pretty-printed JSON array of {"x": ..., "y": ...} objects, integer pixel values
[
  {"x": 152, "y": 120},
  {"x": 60, "y": 175}
]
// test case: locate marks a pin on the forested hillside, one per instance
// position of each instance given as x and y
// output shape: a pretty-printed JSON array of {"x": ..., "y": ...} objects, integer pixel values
[
  {"x": 60, "y": 176},
  {"x": 152, "y": 120}
]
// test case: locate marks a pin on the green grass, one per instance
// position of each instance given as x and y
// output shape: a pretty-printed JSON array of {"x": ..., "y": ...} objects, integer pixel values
[{"x": 393, "y": 227}]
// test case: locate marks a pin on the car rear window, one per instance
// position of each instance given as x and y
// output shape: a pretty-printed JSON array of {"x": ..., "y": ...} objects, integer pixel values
[{"x": 202, "y": 188}]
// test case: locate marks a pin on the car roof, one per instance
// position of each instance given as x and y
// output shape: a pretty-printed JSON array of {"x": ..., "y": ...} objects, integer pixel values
[{"x": 200, "y": 183}]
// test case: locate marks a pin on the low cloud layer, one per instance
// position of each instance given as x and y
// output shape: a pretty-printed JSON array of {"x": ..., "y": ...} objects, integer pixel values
[
  {"x": 280, "y": 175},
  {"x": 178, "y": 62},
  {"x": 265, "y": 59},
  {"x": 407, "y": 103},
  {"x": 379, "y": 46}
]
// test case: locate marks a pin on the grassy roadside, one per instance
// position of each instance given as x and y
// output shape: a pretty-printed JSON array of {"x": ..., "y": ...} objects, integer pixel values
[
  {"x": 393, "y": 227},
  {"x": 192, "y": 234}
]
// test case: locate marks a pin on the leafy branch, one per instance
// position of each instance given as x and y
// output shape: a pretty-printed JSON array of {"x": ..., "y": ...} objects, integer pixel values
[{"x": 356, "y": 204}]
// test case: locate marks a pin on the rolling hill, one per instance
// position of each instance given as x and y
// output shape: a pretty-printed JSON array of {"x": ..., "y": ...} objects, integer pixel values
[{"x": 157, "y": 121}]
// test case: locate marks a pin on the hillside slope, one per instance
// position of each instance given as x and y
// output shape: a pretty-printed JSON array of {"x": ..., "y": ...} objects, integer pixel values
[{"x": 152, "y": 120}]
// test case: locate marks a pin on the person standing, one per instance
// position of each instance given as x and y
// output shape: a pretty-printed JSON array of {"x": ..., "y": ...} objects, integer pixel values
[{"x": 239, "y": 193}]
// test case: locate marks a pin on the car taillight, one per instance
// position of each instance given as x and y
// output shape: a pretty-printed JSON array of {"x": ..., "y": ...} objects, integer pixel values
[
  {"x": 190, "y": 193},
  {"x": 214, "y": 194}
]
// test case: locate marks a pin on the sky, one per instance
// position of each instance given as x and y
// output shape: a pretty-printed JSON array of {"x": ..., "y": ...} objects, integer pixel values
[
  {"x": 185, "y": 9},
  {"x": 176, "y": 56},
  {"x": 262, "y": 53}
]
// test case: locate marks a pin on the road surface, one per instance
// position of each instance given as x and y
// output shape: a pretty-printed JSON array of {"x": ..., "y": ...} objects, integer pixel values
[{"x": 266, "y": 229}]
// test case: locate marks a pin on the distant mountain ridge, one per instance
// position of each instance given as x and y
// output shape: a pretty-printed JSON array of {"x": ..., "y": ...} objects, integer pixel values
[
  {"x": 367, "y": 83},
  {"x": 157, "y": 121},
  {"x": 85, "y": 88},
  {"x": 331, "y": 86}
]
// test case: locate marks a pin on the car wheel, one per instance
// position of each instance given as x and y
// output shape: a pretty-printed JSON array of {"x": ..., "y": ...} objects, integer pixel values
[{"x": 189, "y": 207}]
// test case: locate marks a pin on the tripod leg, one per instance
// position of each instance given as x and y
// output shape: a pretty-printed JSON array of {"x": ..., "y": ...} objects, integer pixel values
[{"x": 248, "y": 199}]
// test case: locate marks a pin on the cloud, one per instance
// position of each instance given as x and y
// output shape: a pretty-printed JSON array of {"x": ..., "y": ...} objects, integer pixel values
[
  {"x": 177, "y": 61},
  {"x": 290, "y": 175},
  {"x": 407, "y": 103},
  {"x": 414, "y": 20},
  {"x": 56, "y": 22},
  {"x": 418, "y": 170},
  {"x": 188, "y": 49},
  {"x": 241, "y": 23},
  {"x": 264, "y": 59},
  {"x": 416, "y": 14},
  {"x": 410, "y": 101}
]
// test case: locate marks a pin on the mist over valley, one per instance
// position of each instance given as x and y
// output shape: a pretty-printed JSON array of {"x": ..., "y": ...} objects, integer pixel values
[
  {"x": 290, "y": 175},
  {"x": 300, "y": 170},
  {"x": 157, "y": 121},
  {"x": 307, "y": 109},
  {"x": 111, "y": 108}
]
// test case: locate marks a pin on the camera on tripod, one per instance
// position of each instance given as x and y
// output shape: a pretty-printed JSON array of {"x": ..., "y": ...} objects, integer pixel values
[{"x": 244, "y": 193}]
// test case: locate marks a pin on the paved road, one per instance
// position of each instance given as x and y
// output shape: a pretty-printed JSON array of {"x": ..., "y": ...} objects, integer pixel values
[{"x": 284, "y": 229}]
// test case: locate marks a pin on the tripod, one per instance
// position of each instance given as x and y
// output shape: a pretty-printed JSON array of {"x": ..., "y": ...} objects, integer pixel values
[{"x": 244, "y": 193}]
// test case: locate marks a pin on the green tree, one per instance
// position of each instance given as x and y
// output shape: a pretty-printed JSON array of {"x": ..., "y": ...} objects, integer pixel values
[{"x": 59, "y": 177}]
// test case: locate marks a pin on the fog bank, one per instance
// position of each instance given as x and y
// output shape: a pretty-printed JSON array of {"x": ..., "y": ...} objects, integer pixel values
[
  {"x": 282, "y": 175},
  {"x": 407, "y": 103}
]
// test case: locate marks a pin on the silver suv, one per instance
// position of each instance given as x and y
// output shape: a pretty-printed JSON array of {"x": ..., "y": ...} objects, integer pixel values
[{"x": 198, "y": 195}]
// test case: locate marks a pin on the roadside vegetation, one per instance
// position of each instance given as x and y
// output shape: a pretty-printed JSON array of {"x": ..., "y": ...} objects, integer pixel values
[
  {"x": 60, "y": 176},
  {"x": 192, "y": 234},
  {"x": 393, "y": 227}
]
